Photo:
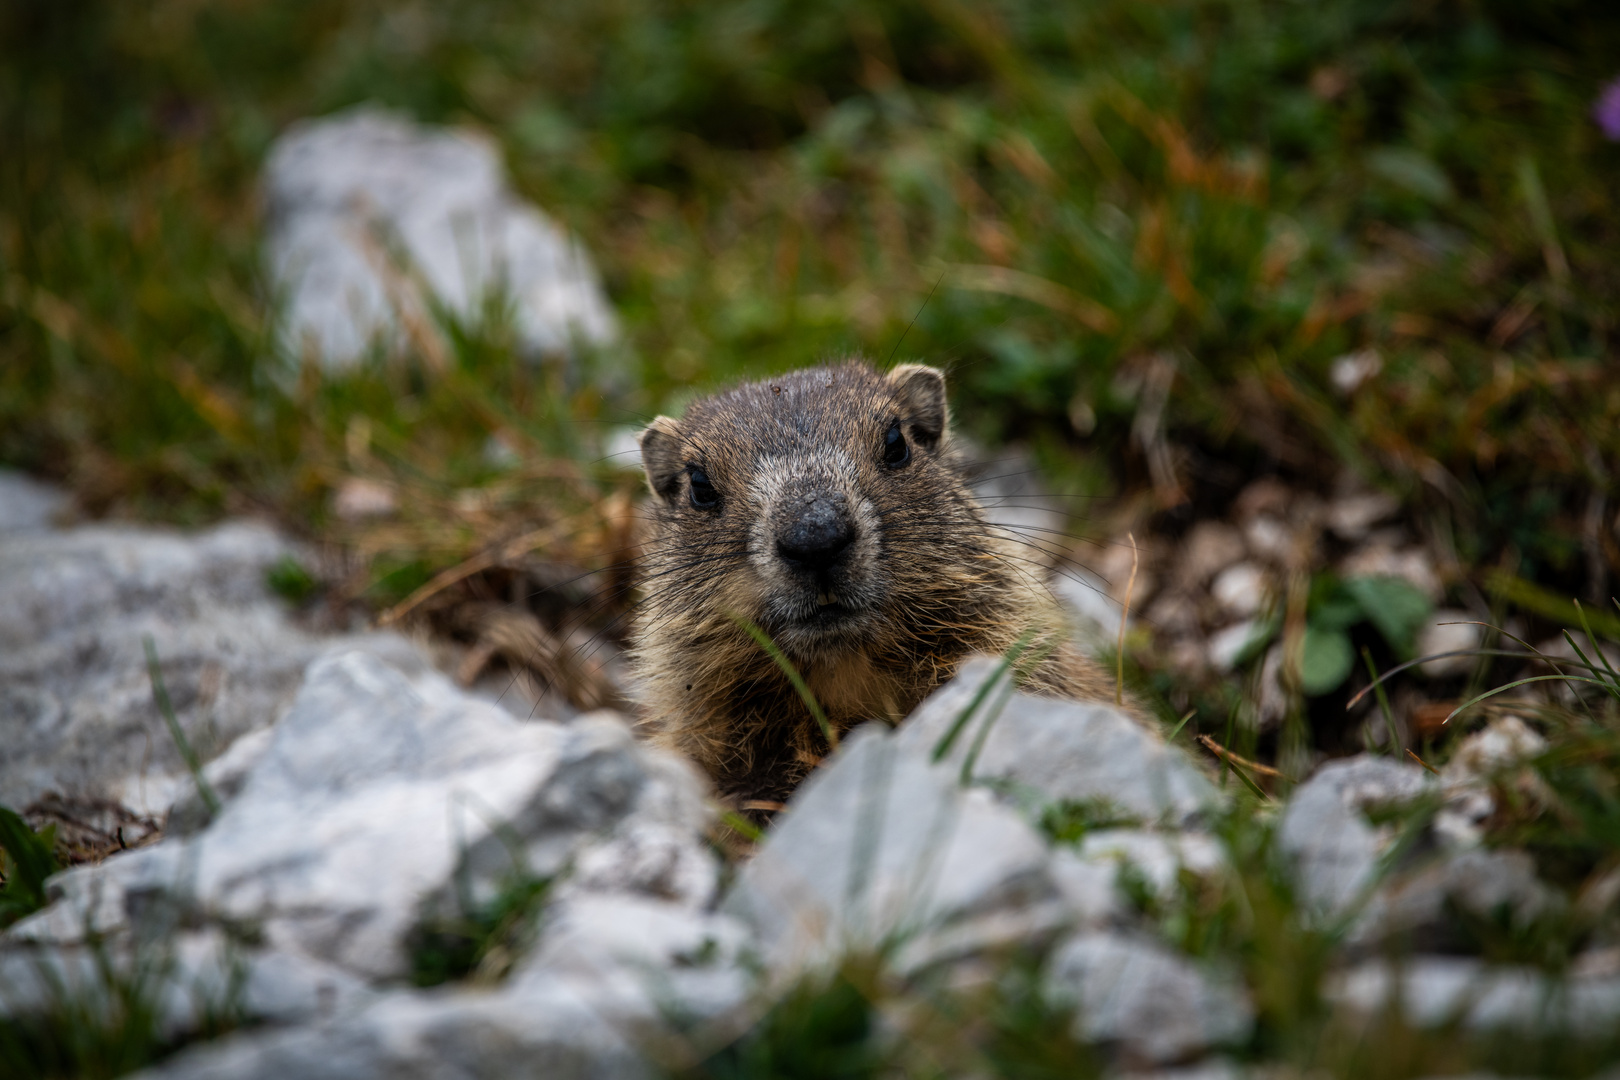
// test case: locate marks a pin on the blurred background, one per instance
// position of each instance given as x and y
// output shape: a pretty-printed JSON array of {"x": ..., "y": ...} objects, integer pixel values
[{"x": 1200, "y": 269}]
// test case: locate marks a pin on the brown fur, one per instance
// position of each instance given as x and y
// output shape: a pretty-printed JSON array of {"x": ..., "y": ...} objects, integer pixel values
[{"x": 926, "y": 581}]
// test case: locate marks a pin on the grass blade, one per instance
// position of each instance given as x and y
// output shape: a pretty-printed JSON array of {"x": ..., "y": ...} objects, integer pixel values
[
  {"x": 1383, "y": 701},
  {"x": 1177, "y": 729},
  {"x": 793, "y": 677},
  {"x": 1592, "y": 641},
  {"x": 1519, "y": 682},
  {"x": 948, "y": 740},
  {"x": 160, "y": 694}
]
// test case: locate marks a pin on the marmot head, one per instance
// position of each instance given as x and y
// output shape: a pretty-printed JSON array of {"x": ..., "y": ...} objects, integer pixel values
[{"x": 810, "y": 504}]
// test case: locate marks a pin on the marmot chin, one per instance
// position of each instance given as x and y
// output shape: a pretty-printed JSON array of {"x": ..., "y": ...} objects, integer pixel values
[{"x": 828, "y": 508}]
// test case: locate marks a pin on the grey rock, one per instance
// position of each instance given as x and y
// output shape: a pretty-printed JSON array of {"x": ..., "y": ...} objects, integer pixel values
[
  {"x": 76, "y": 698},
  {"x": 880, "y": 849},
  {"x": 1413, "y": 564},
  {"x": 1432, "y": 991},
  {"x": 1351, "y": 517},
  {"x": 1335, "y": 850},
  {"x": 188, "y": 975},
  {"x": 1159, "y": 858},
  {"x": 1210, "y": 547},
  {"x": 377, "y": 791},
  {"x": 224, "y": 777},
  {"x": 1058, "y": 750},
  {"x": 1483, "y": 757},
  {"x": 105, "y": 899},
  {"x": 376, "y": 799},
  {"x": 1444, "y": 631},
  {"x": 611, "y": 977},
  {"x": 1091, "y": 896},
  {"x": 1486, "y": 883},
  {"x": 1504, "y": 743},
  {"x": 1228, "y": 643},
  {"x": 1148, "y": 1002},
  {"x": 449, "y": 1035},
  {"x": 1240, "y": 589},
  {"x": 1349, "y": 371},
  {"x": 26, "y": 505},
  {"x": 1268, "y": 538},
  {"x": 374, "y": 219},
  {"x": 358, "y": 806},
  {"x": 641, "y": 962}
]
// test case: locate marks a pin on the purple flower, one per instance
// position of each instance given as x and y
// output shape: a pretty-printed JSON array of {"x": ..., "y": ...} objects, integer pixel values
[{"x": 1606, "y": 111}]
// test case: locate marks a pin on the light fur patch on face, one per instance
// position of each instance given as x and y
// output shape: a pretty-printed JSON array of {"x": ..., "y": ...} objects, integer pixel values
[{"x": 778, "y": 483}]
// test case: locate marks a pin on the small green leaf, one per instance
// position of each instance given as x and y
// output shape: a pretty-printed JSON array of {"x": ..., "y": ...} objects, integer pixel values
[
  {"x": 1392, "y": 604},
  {"x": 290, "y": 580},
  {"x": 1325, "y": 660},
  {"x": 1338, "y": 612},
  {"x": 28, "y": 861}
]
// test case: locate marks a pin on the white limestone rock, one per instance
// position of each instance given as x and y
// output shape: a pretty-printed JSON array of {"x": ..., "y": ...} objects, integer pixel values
[
  {"x": 1351, "y": 517},
  {"x": 76, "y": 699},
  {"x": 26, "y": 505},
  {"x": 1159, "y": 858},
  {"x": 375, "y": 219},
  {"x": 1210, "y": 547},
  {"x": 1489, "y": 884},
  {"x": 1449, "y": 630},
  {"x": 376, "y": 791},
  {"x": 1437, "y": 991},
  {"x": 1334, "y": 848},
  {"x": 186, "y": 975},
  {"x": 880, "y": 848},
  {"x": 637, "y": 960},
  {"x": 1148, "y": 1003},
  {"x": 1240, "y": 589},
  {"x": 1502, "y": 747},
  {"x": 1057, "y": 750},
  {"x": 454, "y": 1034}
]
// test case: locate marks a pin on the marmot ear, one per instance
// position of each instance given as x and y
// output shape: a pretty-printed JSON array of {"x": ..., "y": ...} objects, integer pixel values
[
  {"x": 660, "y": 443},
  {"x": 921, "y": 390}
]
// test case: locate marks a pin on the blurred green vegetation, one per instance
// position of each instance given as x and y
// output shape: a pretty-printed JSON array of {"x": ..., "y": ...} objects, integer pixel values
[{"x": 1243, "y": 190}]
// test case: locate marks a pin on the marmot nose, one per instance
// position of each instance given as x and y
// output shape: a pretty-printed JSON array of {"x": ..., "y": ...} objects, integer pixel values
[{"x": 817, "y": 530}]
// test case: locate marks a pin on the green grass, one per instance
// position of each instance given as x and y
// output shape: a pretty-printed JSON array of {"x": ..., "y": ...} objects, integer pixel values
[
  {"x": 1249, "y": 189},
  {"x": 27, "y": 858},
  {"x": 115, "y": 1022},
  {"x": 1101, "y": 202}
]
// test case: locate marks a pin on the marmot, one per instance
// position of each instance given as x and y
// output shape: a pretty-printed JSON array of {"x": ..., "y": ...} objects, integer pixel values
[{"x": 828, "y": 508}]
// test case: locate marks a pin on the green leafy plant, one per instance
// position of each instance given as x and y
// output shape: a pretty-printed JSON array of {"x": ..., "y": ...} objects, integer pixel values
[
  {"x": 1068, "y": 821},
  {"x": 1391, "y": 605},
  {"x": 27, "y": 858},
  {"x": 479, "y": 940},
  {"x": 290, "y": 580}
]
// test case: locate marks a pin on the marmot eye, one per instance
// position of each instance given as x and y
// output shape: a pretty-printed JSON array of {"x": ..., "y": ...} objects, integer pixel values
[
  {"x": 896, "y": 451},
  {"x": 704, "y": 497}
]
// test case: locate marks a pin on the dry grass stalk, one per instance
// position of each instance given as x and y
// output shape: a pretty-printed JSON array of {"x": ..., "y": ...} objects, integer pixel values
[
  {"x": 1124, "y": 614},
  {"x": 1239, "y": 760}
]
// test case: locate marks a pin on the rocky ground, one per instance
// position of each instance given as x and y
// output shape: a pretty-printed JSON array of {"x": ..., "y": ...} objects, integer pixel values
[{"x": 376, "y": 872}]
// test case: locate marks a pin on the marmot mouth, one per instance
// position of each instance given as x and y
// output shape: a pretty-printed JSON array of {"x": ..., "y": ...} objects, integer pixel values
[{"x": 821, "y": 615}]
